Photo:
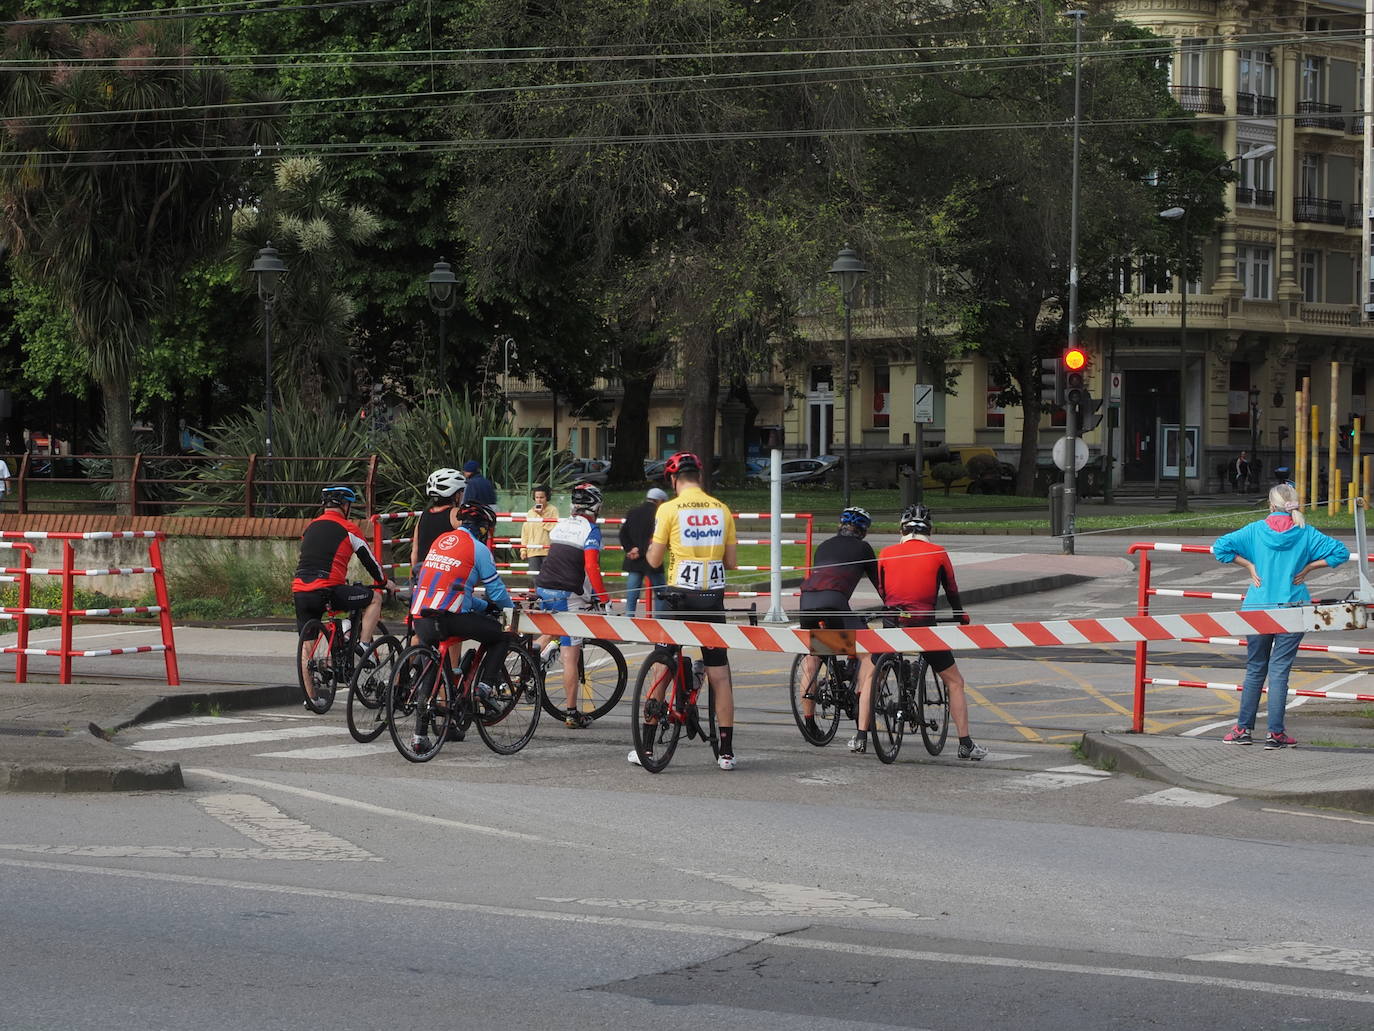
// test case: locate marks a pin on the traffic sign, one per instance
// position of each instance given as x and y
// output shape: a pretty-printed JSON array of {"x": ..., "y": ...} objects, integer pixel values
[
  {"x": 1114, "y": 388},
  {"x": 1061, "y": 453},
  {"x": 925, "y": 403}
]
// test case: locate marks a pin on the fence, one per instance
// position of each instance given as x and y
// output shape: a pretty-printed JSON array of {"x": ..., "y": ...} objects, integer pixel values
[{"x": 68, "y": 613}]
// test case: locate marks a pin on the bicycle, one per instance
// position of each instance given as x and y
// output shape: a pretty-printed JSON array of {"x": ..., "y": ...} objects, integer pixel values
[
  {"x": 834, "y": 691},
  {"x": 365, "y": 712},
  {"x": 500, "y": 695},
  {"x": 325, "y": 650},
  {"x": 908, "y": 693},
  {"x": 601, "y": 679}
]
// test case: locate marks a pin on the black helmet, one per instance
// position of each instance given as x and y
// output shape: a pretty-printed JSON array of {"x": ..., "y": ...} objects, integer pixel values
[
  {"x": 479, "y": 518},
  {"x": 586, "y": 497},
  {"x": 916, "y": 519}
]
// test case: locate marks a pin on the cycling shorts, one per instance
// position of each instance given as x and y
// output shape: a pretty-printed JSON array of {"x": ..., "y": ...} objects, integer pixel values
[
  {"x": 557, "y": 601},
  {"x": 938, "y": 661},
  {"x": 701, "y": 606},
  {"x": 350, "y": 598},
  {"x": 433, "y": 627},
  {"x": 828, "y": 610}
]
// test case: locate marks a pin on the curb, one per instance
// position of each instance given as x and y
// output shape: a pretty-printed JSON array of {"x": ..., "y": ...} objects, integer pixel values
[
  {"x": 1138, "y": 761},
  {"x": 1017, "y": 588},
  {"x": 171, "y": 706},
  {"x": 92, "y": 766}
]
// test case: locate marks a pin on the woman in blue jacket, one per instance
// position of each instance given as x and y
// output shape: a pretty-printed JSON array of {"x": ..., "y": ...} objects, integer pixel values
[{"x": 1279, "y": 552}]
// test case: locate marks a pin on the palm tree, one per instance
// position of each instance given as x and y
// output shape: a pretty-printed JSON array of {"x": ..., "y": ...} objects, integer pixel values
[{"x": 119, "y": 158}]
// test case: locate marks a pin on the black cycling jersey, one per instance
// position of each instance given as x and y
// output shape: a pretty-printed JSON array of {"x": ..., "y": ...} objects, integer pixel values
[
  {"x": 327, "y": 545},
  {"x": 430, "y": 526},
  {"x": 839, "y": 564}
]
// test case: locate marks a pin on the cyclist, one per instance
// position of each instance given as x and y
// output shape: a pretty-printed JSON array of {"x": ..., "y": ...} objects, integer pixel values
[
  {"x": 573, "y": 566},
  {"x": 445, "y": 492},
  {"x": 443, "y": 604},
  {"x": 699, "y": 532},
  {"x": 910, "y": 575},
  {"x": 837, "y": 566},
  {"x": 321, "y": 582}
]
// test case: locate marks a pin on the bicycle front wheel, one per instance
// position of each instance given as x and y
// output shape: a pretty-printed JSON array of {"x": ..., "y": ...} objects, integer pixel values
[
  {"x": 655, "y": 737},
  {"x": 366, "y": 709},
  {"x": 601, "y": 680},
  {"x": 932, "y": 708},
  {"x": 827, "y": 712},
  {"x": 508, "y": 694},
  {"x": 418, "y": 720},
  {"x": 888, "y": 718},
  {"x": 315, "y": 666}
]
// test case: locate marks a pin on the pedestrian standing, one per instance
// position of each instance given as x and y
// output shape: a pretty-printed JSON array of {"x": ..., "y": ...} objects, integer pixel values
[
  {"x": 635, "y": 534},
  {"x": 4, "y": 480},
  {"x": 1279, "y": 552},
  {"x": 480, "y": 490},
  {"x": 534, "y": 535}
]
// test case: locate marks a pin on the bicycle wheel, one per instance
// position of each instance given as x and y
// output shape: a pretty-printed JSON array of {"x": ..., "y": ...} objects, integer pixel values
[
  {"x": 315, "y": 667},
  {"x": 508, "y": 693},
  {"x": 413, "y": 708},
  {"x": 601, "y": 680},
  {"x": 656, "y": 678},
  {"x": 827, "y": 713},
  {"x": 366, "y": 709},
  {"x": 932, "y": 711},
  {"x": 888, "y": 720}
]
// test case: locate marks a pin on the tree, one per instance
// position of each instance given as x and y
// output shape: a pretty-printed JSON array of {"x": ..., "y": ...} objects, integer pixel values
[{"x": 120, "y": 165}]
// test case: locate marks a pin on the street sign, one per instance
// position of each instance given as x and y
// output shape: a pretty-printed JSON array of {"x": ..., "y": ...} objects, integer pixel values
[
  {"x": 1061, "y": 452},
  {"x": 925, "y": 403},
  {"x": 1114, "y": 388}
]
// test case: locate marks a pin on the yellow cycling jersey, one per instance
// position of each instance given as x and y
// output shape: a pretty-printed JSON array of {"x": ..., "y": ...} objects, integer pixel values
[{"x": 695, "y": 528}]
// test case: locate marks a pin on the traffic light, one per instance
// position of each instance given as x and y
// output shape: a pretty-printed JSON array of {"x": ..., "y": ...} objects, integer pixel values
[
  {"x": 1089, "y": 414},
  {"x": 1051, "y": 381},
  {"x": 1075, "y": 365}
]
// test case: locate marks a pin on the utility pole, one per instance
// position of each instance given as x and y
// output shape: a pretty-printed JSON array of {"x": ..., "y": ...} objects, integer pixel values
[{"x": 1070, "y": 422}]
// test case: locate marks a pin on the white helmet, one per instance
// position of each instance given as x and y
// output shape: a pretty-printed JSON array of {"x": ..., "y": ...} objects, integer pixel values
[{"x": 445, "y": 483}]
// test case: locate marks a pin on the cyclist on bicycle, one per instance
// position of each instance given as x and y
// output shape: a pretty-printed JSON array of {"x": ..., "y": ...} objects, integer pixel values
[
  {"x": 443, "y": 605},
  {"x": 321, "y": 582},
  {"x": 699, "y": 532},
  {"x": 837, "y": 566},
  {"x": 910, "y": 575},
  {"x": 573, "y": 566},
  {"x": 444, "y": 489}
]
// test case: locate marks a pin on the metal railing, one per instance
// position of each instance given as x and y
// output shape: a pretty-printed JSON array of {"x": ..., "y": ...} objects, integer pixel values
[
  {"x": 1314, "y": 114},
  {"x": 1203, "y": 99},
  {"x": 1257, "y": 198},
  {"x": 1256, "y": 104},
  {"x": 1319, "y": 210}
]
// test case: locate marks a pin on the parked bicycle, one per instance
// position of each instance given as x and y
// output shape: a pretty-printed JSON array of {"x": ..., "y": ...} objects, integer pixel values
[
  {"x": 497, "y": 688},
  {"x": 326, "y": 650}
]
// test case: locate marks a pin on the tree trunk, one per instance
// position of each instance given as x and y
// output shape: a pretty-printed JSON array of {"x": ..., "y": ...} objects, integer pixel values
[
  {"x": 119, "y": 432},
  {"x": 701, "y": 392},
  {"x": 639, "y": 364},
  {"x": 1028, "y": 381}
]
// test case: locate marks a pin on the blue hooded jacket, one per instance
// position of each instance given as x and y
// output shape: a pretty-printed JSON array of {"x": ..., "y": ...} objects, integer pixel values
[{"x": 1278, "y": 555}]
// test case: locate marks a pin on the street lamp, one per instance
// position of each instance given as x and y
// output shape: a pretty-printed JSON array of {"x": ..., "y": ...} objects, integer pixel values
[
  {"x": 443, "y": 298},
  {"x": 268, "y": 268},
  {"x": 1254, "y": 429},
  {"x": 849, "y": 270}
]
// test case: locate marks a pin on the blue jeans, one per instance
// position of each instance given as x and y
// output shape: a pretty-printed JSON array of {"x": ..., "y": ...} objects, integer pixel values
[
  {"x": 634, "y": 582},
  {"x": 1270, "y": 654}
]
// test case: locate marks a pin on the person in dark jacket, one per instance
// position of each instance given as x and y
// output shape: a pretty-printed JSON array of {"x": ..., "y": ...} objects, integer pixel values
[
  {"x": 635, "y": 534},
  {"x": 480, "y": 490}
]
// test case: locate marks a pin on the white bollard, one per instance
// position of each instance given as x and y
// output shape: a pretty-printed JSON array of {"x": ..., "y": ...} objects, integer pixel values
[{"x": 775, "y": 612}]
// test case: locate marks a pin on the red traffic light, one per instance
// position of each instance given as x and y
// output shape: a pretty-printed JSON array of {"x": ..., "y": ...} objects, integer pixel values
[{"x": 1075, "y": 359}]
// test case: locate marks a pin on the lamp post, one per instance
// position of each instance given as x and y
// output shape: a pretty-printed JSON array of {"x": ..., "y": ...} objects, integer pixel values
[
  {"x": 443, "y": 298},
  {"x": 268, "y": 268},
  {"x": 849, "y": 270},
  {"x": 1254, "y": 429},
  {"x": 1070, "y": 498}
]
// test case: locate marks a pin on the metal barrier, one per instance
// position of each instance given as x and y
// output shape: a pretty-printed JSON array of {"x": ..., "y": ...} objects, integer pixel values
[
  {"x": 1207, "y": 634},
  {"x": 19, "y": 575},
  {"x": 67, "y": 613}
]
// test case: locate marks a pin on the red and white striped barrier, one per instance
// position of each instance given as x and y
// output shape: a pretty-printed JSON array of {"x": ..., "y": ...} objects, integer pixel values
[{"x": 1343, "y": 696}]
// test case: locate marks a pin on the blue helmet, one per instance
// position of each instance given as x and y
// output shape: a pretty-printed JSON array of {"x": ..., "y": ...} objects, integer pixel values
[
  {"x": 338, "y": 494},
  {"x": 857, "y": 519}
]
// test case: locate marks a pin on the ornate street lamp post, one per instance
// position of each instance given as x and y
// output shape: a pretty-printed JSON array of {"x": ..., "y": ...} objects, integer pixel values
[
  {"x": 849, "y": 270},
  {"x": 269, "y": 269},
  {"x": 443, "y": 298}
]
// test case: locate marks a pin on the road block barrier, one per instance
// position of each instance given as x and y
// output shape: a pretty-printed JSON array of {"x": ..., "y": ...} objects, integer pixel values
[
  {"x": 1145, "y": 592},
  {"x": 19, "y": 575},
  {"x": 67, "y": 614}
]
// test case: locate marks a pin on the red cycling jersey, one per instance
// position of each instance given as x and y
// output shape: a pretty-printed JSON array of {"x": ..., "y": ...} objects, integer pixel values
[
  {"x": 910, "y": 575},
  {"x": 327, "y": 546}
]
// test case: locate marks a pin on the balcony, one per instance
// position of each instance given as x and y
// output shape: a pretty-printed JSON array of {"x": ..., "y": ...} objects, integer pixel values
[
  {"x": 1255, "y": 198},
  {"x": 1256, "y": 105},
  {"x": 1356, "y": 124},
  {"x": 1202, "y": 99},
  {"x": 1319, "y": 210},
  {"x": 1334, "y": 315},
  {"x": 1354, "y": 218},
  {"x": 1313, "y": 114}
]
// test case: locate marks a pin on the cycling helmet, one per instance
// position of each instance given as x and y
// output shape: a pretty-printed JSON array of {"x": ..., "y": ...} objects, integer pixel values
[
  {"x": 586, "y": 497},
  {"x": 445, "y": 483},
  {"x": 479, "y": 518},
  {"x": 682, "y": 462},
  {"x": 916, "y": 519},
  {"x": 338, "y": 494},
  {"x": 856, "y": 519}
]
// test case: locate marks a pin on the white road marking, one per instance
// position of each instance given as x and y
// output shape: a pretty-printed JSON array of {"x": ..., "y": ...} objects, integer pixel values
[
  {"x": 1199, "y": 731},
  {"x": 243, "y": 737},
  {"x": 192, "y": 721},
  {"x": 351, "y": 750},
  {"x": 1001, "y": 757},
  {"x": 1046, "y": 782},
  {"x": 1300, "y": 955},
  {"x": 833, "y": 776},
  {"x": 1184, "y": 798},
  {"x": 259, "y": 820},
  {"x": 1319, "y": 816},
  {"x": 189, "y": 852},
  {"x": 786, "y": 941},
  {"x": 1333, "y": 685},
  {"x": 1081, "y": 770}
]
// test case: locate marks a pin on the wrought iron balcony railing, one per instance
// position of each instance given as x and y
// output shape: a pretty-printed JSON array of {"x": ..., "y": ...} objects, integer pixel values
[
  {"x": 1255, "y": 198},
  {"x": 1204, "y": 99},
  {"x": 1256, "y": 104},
  {"x": 1313, "y": 114},
  {"x": 1318, "y": 209}
]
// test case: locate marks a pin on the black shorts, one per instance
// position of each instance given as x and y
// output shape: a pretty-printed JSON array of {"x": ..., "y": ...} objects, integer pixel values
[
  {"x": 701, "y": 606},
  {"x": 828, "y": 610},
  {"x": 938, "y": 661},
  {"x": 350, "y": 598},
  {"x": 433, "y": 627}
]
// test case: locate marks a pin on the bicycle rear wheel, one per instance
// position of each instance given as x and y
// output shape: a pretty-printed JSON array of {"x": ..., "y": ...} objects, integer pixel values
[
  {"x": 601, "y": 680},
  {"x": 508, "y": 708},
  {"x": 888, "y": 719},
  {"x": 932, "y": 708},
  {"x": 418, "y": 720},
  {"x": 366, "y": 709},
  {"x": 657, "y": 677},
  {"x": 315, "y": 666},
  {"x": 827, "y": 712}
]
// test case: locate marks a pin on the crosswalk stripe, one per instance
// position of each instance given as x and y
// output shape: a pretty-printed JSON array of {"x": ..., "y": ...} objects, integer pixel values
[
  {"x": 1047, "y": 782},
  {"x": 1183, "y": 798},
  {"x": 245, "y": 737},
  {"x": 349, "y": 750},
  {"x": 193, "y": 721}
]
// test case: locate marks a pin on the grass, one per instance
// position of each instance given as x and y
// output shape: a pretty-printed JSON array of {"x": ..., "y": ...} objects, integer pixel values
[
  {"x": 1326, "y": 743},
  {"x": 1175, "y": 523}
]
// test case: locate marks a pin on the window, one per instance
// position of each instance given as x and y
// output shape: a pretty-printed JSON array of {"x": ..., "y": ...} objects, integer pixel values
[
  {"x": 1313, "y": 85},
  {"x": 1192, "y": 64},
  {"x": 1255, "y": 90},
  {"x": 1254, "y": 269},
  {"x": 996, "y": 414},
  {"x": 1357, "y": 394},
  {"x": 1310, "y": 176},
  {"x": 882, "y": 394},
  {"x": 1256, "y": 182},
  {"x": 1155, "y": 276},
  {"x": 1310, "y": 275},
  {"x": 1238, "y": 399}
]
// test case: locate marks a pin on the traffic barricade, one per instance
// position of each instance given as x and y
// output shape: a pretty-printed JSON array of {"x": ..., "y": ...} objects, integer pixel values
[
  {"x": 18, "y": 575},
  {"x": 68, "y": 613}
]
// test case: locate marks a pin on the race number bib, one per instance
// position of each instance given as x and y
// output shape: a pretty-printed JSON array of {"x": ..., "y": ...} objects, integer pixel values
[{"x": 698, "y": 575}]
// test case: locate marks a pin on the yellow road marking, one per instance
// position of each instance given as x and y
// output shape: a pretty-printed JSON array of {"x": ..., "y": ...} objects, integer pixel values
[
  {"x": 1008, "y": 718},
  {"x": 1093, "y": 692}
]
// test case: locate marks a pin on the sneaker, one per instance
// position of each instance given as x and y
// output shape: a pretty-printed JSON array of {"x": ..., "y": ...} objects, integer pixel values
[
  {"x": 1238, "y": 736},
  {"x": 726, "y": 762},
  {"x": 811, "y": 727},
  {"x": 576, "y": 720},
  {"x": 974, "y": 752},
  {"x": 546, "y": 657},
  {"x": 1279, "y": 740},
  {"x": 858, "y": 743},
  {"x": 420, "y": 744},
  {"x": 633, "y": 757}
]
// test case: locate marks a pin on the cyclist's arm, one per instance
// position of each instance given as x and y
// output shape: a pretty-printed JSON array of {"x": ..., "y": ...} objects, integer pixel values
[
  {"x": 365, "y": 556},
  {"x": 591, "y": 563},
  {"x": 870, "y": 568},
  {"x": 731, "y": 552},
  {"x": 485, "y": 575},
  {"x": 945, "y": 579}
]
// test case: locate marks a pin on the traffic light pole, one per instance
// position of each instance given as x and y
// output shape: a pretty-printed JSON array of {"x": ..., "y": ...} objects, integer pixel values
[
  {"x": 1070, "y": 474},
  {"x": 1070, "y": 412}
]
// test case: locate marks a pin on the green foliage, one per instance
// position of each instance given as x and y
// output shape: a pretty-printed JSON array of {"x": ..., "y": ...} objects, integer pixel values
[
  {"x": 42, "y": 326},
  {"x": 218, "y": 582},
  {"x": 947, "y": 473}
]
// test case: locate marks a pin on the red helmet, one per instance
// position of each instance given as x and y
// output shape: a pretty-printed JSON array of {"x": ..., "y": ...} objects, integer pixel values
[{"x": 682, "y": 462}]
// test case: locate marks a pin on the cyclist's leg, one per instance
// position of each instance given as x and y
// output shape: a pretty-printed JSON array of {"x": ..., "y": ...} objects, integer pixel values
[
  {"x": 865, "y": 692},
  {"x": 372, "y": 615},
  {"x": 571, "y": 652},
  {"x": 944, "y": 664}
]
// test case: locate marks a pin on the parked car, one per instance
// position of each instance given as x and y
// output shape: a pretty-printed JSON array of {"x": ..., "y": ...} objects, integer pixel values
[
  {"x": 586, "y": 470},
  {"x": 802, "y": 470},
  {"x": 653, "y": 468}
]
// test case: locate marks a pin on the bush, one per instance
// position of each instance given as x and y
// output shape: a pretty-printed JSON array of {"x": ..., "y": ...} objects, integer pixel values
[
  {"x": 224, "y": 583},
  {"x": 947, "y": 473}
]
